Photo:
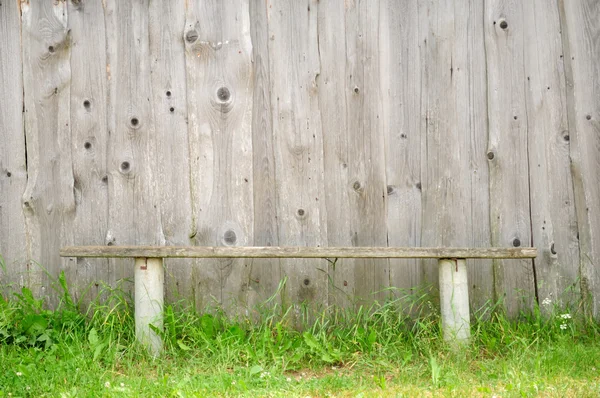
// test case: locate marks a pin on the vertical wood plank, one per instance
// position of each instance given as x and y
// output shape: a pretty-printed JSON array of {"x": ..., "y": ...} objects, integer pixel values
[
  {"x": 169, "y": 107},
  {"x": 553, "y": 219},
  {"x": 508, "y": 150},
  {"x": 48, "y": 201},
  {"x": 470, "y": 93},
  {"x": 88, "y": 143},
  {"x": 265, "y": 274},
  {"x": 401, "y": 82},
  {"x": 581, "y": 45},
  {"x": 13, "y": 172},
  {"x": 298, "y": 143},
  {"x": 365, "y": 146},
  {"x": 134, "y": 214},
  {"x": 454, "y": 170},
  {"x": 333, "y": 89},
  {"x": 219, "y": 92}
]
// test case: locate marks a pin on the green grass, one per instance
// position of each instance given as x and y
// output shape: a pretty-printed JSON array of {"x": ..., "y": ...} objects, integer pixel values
[{"x": 368, "y": 352}]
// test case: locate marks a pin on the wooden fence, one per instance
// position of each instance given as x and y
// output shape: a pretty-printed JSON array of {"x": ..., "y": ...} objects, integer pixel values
[{"x": 302, "y": 122}]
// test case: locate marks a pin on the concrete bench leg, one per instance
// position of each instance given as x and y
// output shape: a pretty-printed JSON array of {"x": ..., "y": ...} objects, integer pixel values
[
  {"x": 149, "y": 300},
  {"x": 454, "y": 300}
]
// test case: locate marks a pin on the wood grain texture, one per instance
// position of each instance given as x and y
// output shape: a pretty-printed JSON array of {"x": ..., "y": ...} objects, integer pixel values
[
  {"x": 298, "y": 143},
  {"x": 581, "y": 45},
  {"x": 445, "y": 169},
  {"x": 89, "y": 135},
  {"x": 332, "y": 124},
  {"x": 354, "y": 159},
  {"x": 219, "y": 91},
  {"x": 334, "y": 118},
  {"x": 297, "y": 252},
  {"x": 264, "y": 275},
  {"x": 454, "y": 172},
  {"x": 49, "y": 200},
  {"x": 365, "y": 147},
  {"x": 471, "y": 27},
  {"x": 134, "y": 214},
  {"x": 553, "y": 219},
  {"x": 508, "y": 150},
  {"x": 170, "y": 113},
  {"x": 401, "y": 82},
  {"x": 13, "y": 172}
]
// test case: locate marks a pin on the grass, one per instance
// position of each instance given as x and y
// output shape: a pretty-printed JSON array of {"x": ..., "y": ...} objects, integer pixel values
[{"x": 368, "y": 352}]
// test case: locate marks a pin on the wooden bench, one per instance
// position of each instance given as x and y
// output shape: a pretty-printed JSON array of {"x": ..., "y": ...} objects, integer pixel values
[{"x": 149, "y": 275}]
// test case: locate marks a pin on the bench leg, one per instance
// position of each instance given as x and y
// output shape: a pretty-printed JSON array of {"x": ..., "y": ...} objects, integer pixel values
[
  {"x": 454, "y": 299},
  {"x": 149, "y": 300}
]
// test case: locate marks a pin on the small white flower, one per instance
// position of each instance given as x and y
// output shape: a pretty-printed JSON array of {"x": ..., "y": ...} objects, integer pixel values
[
  {"x": 288, "y": 379},
  {"x": 122, "y": 384},
  {"x": 19, "y": 374},
  {"x": 233, "y": 383},
  {"x": 107, "y": 384},
  {"x": 547, "y": 301},
  {"x": 563, "y": 326},
  {"x": 566, "y": 316}
]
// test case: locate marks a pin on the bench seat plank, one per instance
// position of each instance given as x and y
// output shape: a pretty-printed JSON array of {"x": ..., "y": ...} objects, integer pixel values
[{"x": 294, "y": 252}]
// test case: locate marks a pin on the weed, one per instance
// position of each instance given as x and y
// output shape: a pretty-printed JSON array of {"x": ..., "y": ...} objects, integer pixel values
[{"x": 390, "y": 348}]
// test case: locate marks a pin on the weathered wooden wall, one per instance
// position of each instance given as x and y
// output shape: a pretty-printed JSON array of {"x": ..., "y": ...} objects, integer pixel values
[{"x": 302, "y": 122}]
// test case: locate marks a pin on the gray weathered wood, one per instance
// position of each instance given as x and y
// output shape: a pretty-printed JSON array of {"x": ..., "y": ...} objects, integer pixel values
[
  {"x": 553, "y": 219},
  {"x": 13, "y": 173},
  {"x": 264, "y": 275},
  {"x": 333, "y": 109},
  {"x": 219, "y": 92},
  {"x": 461, "y": 132},
  {"x": 365, "y": 147},
  {"x": 581, "y": 45},
  {"x": 401, "y": 63},
  {"x": 298, "y": 142},
  {"x": 170, "y": 112},
  {"x": 296, "y": 252},
  {"x": 89, "y": 135},
  {"x": 472, "y": 117},
  {"x": 354, "y": 160},
  {"x": 48, "y": 201},
  {"x": 134, "y": 214},
  {"x": 446, "y": 170},
  {"x": 507, "y": 150}
]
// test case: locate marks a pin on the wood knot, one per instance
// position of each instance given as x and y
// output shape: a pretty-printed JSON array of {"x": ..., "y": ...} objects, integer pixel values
[
  {"x": 125, "y": 167},
  {"x": 223, "y": 94},
  {"x": 191, "y": 36},
  {"x": 134, "y": 123},
  {"x": 516, "y": 242},
  {"x": 229, "y": 237}
]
